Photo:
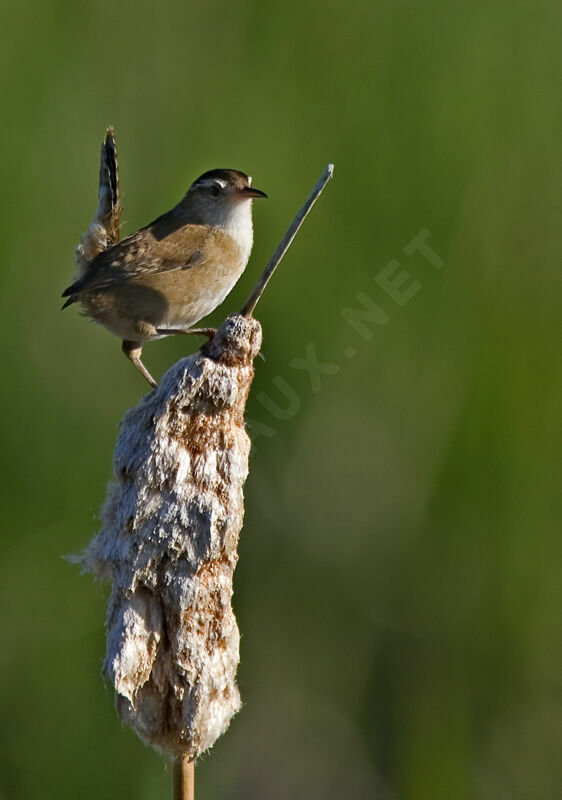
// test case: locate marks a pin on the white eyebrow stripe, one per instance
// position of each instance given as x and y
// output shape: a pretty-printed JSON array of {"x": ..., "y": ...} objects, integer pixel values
[{"x": 213, "y": 182}]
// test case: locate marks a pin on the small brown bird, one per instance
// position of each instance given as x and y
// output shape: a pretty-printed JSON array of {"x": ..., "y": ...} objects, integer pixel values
[{"x": 164, "y": 278}]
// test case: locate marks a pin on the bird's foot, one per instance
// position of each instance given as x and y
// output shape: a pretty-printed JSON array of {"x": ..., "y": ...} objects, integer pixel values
[{"x": 208, "y": 332}]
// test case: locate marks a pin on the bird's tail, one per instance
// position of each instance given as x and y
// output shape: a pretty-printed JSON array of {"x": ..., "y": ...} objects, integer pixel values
[
  {"x": 109, "y": 204},
  {"x": 103, "y": 232}
]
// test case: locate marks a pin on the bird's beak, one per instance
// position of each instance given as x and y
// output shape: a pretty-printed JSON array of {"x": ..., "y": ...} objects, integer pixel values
[{"x": 249, "y": 191}]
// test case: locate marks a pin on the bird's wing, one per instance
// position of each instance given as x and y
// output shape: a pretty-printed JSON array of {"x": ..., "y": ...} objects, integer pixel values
[{"x": 144, "y": 253}]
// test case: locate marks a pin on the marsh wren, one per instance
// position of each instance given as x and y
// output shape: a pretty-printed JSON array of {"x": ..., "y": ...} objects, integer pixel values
[{"x": 164, "y": 278}]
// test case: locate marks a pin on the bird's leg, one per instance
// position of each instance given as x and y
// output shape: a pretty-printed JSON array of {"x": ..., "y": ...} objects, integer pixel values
[
  {"x": 208, "y": 332},
  {"x": 133, "y": 352}
]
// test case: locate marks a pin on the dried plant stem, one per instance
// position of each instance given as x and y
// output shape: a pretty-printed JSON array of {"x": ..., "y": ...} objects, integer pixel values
[
  {"x": 285, "y": 243},
  {"x": 184, "y": 778}
]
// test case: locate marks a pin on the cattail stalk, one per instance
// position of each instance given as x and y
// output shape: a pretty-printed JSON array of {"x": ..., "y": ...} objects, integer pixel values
[{"x": 184, "y": 778}]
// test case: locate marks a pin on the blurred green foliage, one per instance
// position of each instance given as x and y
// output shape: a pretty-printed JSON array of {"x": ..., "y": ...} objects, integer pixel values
[{"x": 399, "y": 585}]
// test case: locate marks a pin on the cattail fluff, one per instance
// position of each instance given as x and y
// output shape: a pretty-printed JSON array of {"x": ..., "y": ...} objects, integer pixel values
[{"x": 168, "y": 545}]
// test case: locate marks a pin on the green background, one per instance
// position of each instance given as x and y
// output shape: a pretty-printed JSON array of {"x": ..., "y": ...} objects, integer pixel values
[{"x": 399, "y": 583}]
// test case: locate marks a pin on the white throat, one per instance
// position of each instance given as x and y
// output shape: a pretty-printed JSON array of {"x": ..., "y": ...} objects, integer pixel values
[{"x": 238, "y": 223}]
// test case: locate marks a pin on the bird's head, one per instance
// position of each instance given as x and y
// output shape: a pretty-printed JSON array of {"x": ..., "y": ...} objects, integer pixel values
[{"x": 221, "y": 195}]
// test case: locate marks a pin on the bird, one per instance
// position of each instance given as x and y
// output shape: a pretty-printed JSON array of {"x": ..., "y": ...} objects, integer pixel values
[{"x": 164, "y": 278}]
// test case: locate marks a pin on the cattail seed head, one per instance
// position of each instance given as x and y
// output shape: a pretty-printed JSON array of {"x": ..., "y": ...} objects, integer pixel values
[{"x": 168, "y": 545}]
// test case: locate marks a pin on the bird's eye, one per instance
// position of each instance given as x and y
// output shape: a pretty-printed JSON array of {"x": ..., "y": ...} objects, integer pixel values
[{"x": 215, "y": 190}]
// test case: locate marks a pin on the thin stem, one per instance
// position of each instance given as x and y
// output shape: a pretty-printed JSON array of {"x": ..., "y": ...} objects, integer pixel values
[
  {"x": 184, "y": 778},
  {"x": 257, "y": 292}
]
